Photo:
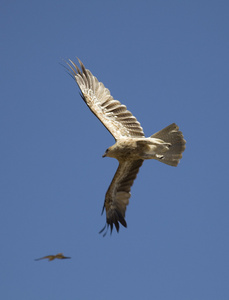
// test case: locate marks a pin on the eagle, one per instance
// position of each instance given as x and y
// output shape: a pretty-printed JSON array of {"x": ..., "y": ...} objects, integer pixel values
[
  {"x": 131, "y": 146},
  {"x": 52, "y": 257}
]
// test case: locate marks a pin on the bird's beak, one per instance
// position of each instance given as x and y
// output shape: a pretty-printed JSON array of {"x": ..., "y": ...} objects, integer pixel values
[{"x": 104, "y": 155}]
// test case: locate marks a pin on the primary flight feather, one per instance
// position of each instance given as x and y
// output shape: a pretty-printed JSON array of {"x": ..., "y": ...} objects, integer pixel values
[{"x": 131, "y": 147}]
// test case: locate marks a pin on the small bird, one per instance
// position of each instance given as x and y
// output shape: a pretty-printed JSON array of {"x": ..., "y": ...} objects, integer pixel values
[
  {"x": 131, "y": 146},
  {"x": 52, "y": 257}
]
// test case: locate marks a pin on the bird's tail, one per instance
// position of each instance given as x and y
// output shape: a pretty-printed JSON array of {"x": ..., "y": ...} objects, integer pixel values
[{"x": 174, "y": 137}]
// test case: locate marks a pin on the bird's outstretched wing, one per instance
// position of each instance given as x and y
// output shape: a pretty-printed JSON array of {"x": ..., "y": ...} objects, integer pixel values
[
  {"x": 115, "y": 117},
  {"x": 52, "y": 257},
  {"x": 118, "y": 194},
  {"x": 49, "y": 257},
  {"x": 61, "y": 256}
]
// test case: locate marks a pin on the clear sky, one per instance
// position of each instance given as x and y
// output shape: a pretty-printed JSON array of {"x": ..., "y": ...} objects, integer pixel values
[{"x": 167, "y": 61}]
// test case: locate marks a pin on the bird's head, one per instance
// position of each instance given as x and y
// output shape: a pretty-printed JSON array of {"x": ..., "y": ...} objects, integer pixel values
[
  {"x": 106, "y": 154},
  {"x": 110, "y": 152}
]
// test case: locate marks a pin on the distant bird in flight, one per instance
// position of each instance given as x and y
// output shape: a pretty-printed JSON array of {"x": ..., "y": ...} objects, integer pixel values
[
  {"x": 52, "y": 257},
  {"x": 131, "y": 147}
]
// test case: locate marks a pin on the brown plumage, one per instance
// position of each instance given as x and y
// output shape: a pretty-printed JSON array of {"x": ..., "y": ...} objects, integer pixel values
[
  {"x": 131, "y": 147},
  {"x": 52, "y": 257}
]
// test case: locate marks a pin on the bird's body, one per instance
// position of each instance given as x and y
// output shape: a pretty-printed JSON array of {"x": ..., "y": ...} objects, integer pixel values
[
  {"x": 137, "y": 148},
  {"x": 131, "y": 147},
  {"x": 52, "y": 257}
]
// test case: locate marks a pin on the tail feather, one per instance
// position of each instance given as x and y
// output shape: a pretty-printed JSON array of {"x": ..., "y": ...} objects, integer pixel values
[{"x": 173, "y": 136}]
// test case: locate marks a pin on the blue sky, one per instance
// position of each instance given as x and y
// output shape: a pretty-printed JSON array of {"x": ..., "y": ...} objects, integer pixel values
[{"x": 167, "y": 61}]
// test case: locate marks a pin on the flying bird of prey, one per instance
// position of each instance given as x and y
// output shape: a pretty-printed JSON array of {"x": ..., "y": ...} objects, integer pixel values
[
  {"x": 52, "y": 257},
  {"x": 131, "y": 147}
]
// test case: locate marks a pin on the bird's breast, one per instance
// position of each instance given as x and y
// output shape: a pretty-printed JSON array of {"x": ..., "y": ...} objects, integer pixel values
[{"x": 128, "y": 149}]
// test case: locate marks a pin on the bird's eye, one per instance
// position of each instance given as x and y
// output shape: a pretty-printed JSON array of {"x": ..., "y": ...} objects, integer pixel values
[{"x": 106, "y": 151}]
